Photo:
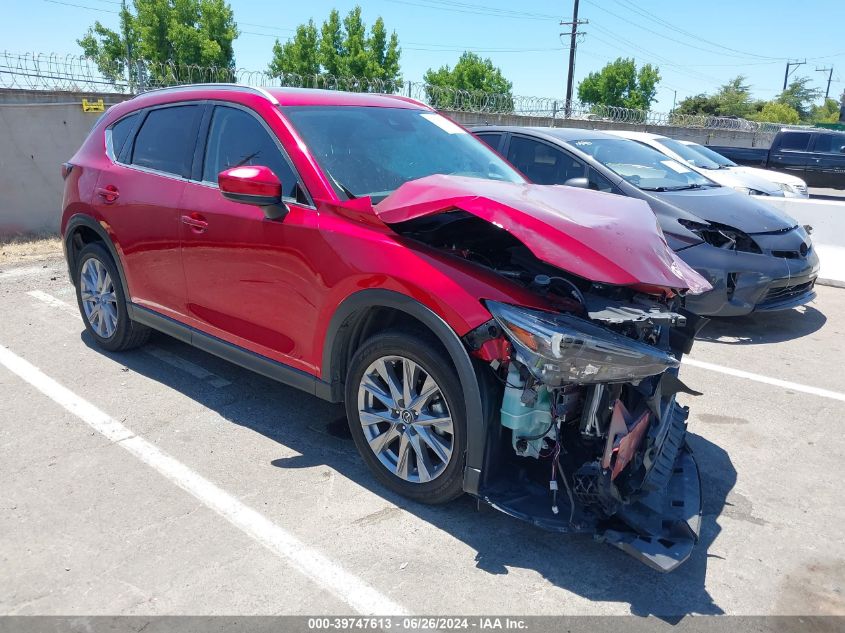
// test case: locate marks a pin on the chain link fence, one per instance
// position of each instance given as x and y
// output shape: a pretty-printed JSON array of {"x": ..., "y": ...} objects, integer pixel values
[{"x": 75, "y": 73}]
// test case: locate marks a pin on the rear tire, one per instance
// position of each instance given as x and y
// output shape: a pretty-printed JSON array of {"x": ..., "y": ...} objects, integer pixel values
[
  {"x": 102, "y": 303},
  {"x": 404, "y": 404}
]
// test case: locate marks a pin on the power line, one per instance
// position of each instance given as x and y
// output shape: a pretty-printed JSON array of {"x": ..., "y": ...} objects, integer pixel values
[
  {"x": 648, "y": 14},
  {"x": 82, "y": 6},
  {"x": 663, "y": 35},
  {"x": 475, "y": 9}
]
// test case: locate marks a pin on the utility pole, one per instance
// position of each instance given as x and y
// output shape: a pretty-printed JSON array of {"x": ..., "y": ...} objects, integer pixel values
[
  {"x": 573, "y": 35},
  {"x": 787, "y": 73},
  {"x": 829, "y": 72}
]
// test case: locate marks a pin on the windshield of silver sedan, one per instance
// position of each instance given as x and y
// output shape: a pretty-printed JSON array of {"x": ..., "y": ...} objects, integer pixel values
[
  {"x": 372, "y": 151},
  {"x": 642, "y": 166}
]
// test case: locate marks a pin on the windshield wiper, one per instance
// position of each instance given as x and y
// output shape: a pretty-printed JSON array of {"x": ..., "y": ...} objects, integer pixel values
[{"x": 692, "y": 185}]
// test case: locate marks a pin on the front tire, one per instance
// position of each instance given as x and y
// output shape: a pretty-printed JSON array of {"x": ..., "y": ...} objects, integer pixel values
[
  {"x": 406, "y": 414},
  {"x": 102, "y": 303}
]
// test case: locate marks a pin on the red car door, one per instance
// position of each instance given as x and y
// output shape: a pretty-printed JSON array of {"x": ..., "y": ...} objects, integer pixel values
[
  {"x": 138, "y": 195},
  {"x": 249, "y": 280}
]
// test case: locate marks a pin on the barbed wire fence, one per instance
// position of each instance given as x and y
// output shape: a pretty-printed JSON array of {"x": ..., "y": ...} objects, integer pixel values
[{"x": 74, "y": 73}]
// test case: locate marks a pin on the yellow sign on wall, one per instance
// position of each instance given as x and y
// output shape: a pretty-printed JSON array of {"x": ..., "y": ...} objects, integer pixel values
[{"x": 93, "y": 106}]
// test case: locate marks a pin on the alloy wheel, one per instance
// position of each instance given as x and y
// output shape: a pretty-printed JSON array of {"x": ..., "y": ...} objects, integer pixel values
[
  {"x": 98, "y": 298},
  {"x": 405, "y": 419}
]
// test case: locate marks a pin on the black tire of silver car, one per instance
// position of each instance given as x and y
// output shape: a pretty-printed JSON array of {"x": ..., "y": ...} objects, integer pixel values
[
  {"x": 102, "y": 303},
  {"x": 406, "y": 414}
]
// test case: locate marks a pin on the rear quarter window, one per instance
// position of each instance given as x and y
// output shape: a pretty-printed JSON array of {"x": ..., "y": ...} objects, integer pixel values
[
  {"x": 166, "y": 140},
  {"x": 117, "y": 133}
]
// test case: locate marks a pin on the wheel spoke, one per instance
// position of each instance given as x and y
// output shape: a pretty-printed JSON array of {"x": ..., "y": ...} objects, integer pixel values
[
  {"x": 424, "y": 468},
  {"x": 442, "y": 422},
  {"x": 368, "y": 418},
  {"x": 377, "y": 392},
  {"x": 437, "y": 445},
  {"x": 386, "y": 372},
  {"x": 380, "y": 443},
  {"x": 428, "y": 389},
  {"x": 409, "y": 380},
  {"x": 403, "y": 465}
]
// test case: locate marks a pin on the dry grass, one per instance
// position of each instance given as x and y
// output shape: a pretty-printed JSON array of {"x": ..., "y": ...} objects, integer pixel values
[{"x": 30, "y": 248}]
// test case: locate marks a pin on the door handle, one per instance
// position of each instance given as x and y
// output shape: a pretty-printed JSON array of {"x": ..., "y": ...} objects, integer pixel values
[
  {"x": 109, "y": 193},
  {"x": 196, "y": 222}
]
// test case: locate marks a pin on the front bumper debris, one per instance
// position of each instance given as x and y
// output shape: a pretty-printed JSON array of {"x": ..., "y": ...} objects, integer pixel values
[{"x": 680, "y": 517}]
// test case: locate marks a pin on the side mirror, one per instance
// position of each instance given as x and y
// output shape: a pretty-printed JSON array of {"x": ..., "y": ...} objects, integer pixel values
[
  {"x": 581, "y": 183},
  {"x": 842, "y": 150},
  {"x": 256, "y": 185}
]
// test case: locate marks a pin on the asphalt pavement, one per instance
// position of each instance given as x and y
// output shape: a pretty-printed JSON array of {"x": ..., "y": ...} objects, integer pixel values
[{"x": 167, "y": 481}]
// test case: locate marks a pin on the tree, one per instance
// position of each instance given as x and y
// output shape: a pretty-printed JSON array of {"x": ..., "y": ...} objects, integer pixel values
[
  {"x": 734, "y": 98},
  {"x": 776, "y": 112},
  {"x": 471, "y": 74},
  {"x": 828, "y": 112},
  {"x": 700, "y": 104},
  {"x": 342, "y": 49},
  {"x": 620, "y": 84},
  {"x": 799, "y": 96},
  {"x": 298, "y": 56},
  {"x": 175, "y": 32}
]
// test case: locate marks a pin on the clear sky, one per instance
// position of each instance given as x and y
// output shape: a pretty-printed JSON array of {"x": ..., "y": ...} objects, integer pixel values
[{"x": 697, "y": 45}]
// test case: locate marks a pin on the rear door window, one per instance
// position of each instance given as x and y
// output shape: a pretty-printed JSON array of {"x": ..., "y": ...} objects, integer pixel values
[
  {"x": 795, "y": 141},
  {"x": 237, "y": 138},
  {"x": 166, "y": 140}
]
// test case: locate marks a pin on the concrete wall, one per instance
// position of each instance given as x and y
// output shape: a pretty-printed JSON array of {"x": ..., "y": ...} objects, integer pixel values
[
  {"x": 827, "y": 217},
  {"x": 39, "y": 131},
  {"x": 729, "y": 138}
]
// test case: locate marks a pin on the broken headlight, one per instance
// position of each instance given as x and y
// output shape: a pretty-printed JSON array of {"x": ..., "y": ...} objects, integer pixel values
[
  {"x": 722, "y": 236},
  {"x": 560, "y": 348}
]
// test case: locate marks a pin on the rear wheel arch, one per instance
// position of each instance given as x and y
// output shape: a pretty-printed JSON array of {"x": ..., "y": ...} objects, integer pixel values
[
  {"x": 82, "y": 230},
  {"x": 369, "y": 311}
]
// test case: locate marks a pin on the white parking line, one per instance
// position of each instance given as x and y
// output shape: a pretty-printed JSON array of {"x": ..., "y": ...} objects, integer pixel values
[
  {"x": 785, "y": 384},
  {"x": 347, "y": 587},
  {"x": 50, "y": 300},
  {"x": 163, "y": 355}
]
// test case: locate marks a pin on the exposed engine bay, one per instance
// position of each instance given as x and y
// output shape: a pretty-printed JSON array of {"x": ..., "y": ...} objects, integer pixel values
[{"x": 590, "y": 438}]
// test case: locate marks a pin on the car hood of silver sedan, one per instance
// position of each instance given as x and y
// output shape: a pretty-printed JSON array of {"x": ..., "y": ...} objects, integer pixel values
[{"x": 725, "y": 206}]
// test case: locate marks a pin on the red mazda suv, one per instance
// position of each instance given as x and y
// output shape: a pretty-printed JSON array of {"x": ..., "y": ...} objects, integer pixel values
[{"x": 514, "y": 341}]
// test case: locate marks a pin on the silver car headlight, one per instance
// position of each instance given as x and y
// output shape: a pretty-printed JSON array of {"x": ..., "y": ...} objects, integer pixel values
[{"x": 561, "y": 348}]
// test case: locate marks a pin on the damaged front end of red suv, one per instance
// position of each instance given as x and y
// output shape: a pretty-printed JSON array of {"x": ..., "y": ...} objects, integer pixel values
[{"x": 585, "y": 435}]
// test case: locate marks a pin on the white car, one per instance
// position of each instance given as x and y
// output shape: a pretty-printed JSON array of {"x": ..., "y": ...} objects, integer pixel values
[
  {"x": 742, "y": 182},
  {"x": 792, "y": 186}
]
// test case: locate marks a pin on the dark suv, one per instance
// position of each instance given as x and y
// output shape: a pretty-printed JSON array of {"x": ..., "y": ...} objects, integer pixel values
[{"x": 486, "y": 335}]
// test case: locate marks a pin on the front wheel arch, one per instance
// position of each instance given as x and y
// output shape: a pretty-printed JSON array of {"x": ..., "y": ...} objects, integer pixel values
[{"x": 344, "y": 329}]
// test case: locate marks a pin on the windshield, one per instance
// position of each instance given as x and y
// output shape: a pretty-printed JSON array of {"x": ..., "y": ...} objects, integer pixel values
[
  {"x": 694, "y": 158},
  {"x": 642, "y": 166},
  {"x": 716, "y": 157},
  {"x": 369, "y": 151}
]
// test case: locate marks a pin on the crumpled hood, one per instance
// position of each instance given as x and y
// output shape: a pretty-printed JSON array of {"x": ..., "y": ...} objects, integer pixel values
[
  {"x": 600, "y": 237},
  {"x": 726, "y": 206}
]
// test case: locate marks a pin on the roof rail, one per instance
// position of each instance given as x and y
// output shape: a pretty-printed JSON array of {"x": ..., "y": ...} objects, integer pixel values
[{"x": 218, "y": 86}]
